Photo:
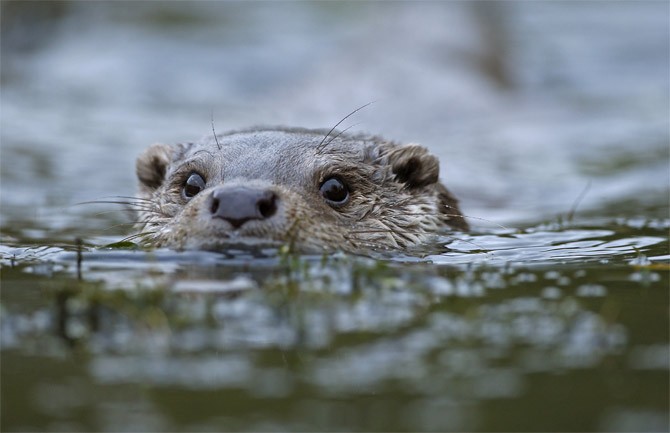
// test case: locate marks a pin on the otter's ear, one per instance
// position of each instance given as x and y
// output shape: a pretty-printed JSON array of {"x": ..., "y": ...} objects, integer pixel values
[
  {"x": 414, "y": 165},
  {"x": 151, "y": 166}
]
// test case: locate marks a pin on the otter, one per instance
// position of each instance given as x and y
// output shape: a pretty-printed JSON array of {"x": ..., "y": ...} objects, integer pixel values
[{"x": 315, "y": 190}]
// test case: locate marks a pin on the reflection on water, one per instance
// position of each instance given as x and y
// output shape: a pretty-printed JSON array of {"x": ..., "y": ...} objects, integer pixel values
[
  {"x": 397, "y": 344},
  {"x": 558, "y": 325}
]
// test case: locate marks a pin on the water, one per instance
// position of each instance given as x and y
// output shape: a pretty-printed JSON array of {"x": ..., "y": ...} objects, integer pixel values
[{"x": 551, "y": 121}]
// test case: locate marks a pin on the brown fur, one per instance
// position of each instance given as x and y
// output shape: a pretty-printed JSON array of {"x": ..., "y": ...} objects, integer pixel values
[{"x": 395, "y": 200}]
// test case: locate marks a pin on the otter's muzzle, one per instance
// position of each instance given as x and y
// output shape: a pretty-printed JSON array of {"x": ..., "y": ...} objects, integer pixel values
[{"x": 239, "y": 204}]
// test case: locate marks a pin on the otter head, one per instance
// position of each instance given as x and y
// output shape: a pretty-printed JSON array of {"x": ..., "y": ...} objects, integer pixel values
[{"x": 287, "y": 186}]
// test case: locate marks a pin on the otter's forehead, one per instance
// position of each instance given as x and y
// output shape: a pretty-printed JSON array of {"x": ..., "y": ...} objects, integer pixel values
[
  {"x": 292, "y": 141},
  {"x": 278, "y": 155},
  {"x": 269, "y": 142}
]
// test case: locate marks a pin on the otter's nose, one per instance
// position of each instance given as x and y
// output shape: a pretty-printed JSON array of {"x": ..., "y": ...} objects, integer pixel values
[{"x": 240, "y": 204}]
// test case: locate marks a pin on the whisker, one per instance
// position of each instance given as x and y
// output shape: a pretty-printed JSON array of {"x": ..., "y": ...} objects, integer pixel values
[
  {"x": 579, "y": 199},
  {"x": 407, "y": 230},
  {"x": 340, "y": 133},
  {"x": 123, "y": 225},
  {"x": 134, "y": 206},
  {"x": 111, "y": 201},
  {"x": 130, "y": 207},
  {"x": 129, "y": 197},
  {"x": 128, "y": 203},
  {"x": 319, "y": 148},
  {"x": 136, "y": 236},
  {"x": 116, "y": 212},
  {"x": 478, "y": 219},
  {"x": 214, "y": 132},
  {"x": 124, "y": 197},
  {"x": 140, "y": 202}
]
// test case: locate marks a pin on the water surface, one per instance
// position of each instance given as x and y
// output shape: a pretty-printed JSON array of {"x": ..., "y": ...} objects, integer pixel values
[{"x": 551, "y": 123}]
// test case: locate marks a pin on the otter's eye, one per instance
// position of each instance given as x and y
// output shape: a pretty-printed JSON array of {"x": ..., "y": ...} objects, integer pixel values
[
  {"x": 334, "y": 191},
  {"x": 194, "y": 184}
]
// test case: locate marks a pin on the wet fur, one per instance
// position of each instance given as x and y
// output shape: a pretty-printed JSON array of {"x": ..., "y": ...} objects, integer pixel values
[{"x": 396, "y": 200}]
